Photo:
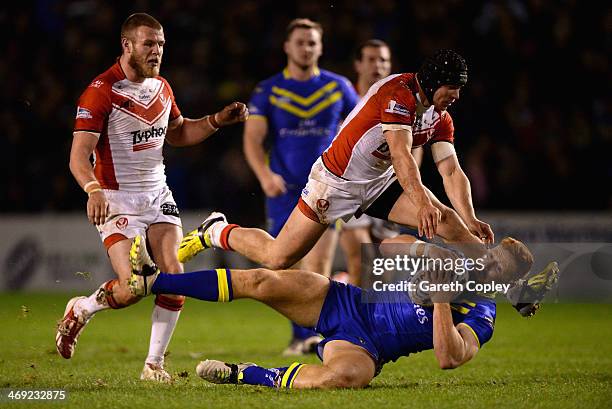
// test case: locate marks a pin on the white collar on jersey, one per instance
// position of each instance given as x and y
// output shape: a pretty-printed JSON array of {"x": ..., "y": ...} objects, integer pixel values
[{"x": 427, "y": 113}]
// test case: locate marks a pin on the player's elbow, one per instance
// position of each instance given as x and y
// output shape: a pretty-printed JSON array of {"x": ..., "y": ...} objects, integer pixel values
[
  {"x": 173, "y": 139},
  {"x": 448, "y": 363},
  {"x": 177, "y": 136},
  {"x": 76, "y": 165},
  {"x": 72, "y": 166}
]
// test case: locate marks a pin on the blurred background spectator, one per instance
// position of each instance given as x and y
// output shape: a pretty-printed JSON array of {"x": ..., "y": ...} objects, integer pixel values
[{"x": 533, "y": 127}]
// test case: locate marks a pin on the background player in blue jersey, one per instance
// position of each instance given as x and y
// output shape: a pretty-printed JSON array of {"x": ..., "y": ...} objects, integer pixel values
[
  {"x": 294, "y": 115},
  {"x": 363, "y": 329}
]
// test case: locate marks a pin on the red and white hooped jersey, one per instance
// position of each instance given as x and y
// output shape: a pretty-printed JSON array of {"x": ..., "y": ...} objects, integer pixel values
[
  {"x": 131, "y": 120},
  {"x": 359, "y": 152}
]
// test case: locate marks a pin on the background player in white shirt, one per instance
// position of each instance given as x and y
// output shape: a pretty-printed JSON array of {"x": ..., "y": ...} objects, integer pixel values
[{"x": 123, "y": 118}]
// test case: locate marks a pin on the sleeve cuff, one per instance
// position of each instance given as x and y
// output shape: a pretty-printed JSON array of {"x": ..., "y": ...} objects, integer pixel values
[{"x": 396, "y": 127}]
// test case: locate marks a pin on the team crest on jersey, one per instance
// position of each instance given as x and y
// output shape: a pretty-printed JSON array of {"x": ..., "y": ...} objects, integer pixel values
[
  {"x": 121, "y": 223},
  {"x": 83, "y": 113},
  {"x": 322, "y": 205},
  {"x": 96, "y": 84},
  {"x": 396, "y": 108}
]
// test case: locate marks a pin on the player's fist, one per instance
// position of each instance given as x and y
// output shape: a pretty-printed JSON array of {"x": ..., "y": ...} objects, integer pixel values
[
  {"x": 437, "y": 278},
  {"x": 231, "y": 114}
]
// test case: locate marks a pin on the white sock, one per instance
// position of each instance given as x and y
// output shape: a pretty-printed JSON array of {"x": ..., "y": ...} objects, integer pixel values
[
  {"x": 215, "y": 233},
  {"x": 92, "y": 304},
  {"x": 164, "y": 321}
]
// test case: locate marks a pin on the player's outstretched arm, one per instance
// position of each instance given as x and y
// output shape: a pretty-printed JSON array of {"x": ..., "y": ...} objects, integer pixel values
[
  {"x": 453, "y": 345},
  {"x": 400, "y": 143},
  {"x": 188, "y": 132},
  {"x": 458, "y": 189}
]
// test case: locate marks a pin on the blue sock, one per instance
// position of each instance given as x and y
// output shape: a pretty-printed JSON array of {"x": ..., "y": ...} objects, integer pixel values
[
  {"x": 273, "y": 377},
  {"x": 256, "y": 375},
  {"x": 207, "y": 285},
  {"x": 302, "y": 332}
]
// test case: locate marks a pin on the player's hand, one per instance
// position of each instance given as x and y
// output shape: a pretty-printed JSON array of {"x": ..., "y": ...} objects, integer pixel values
[
  {"x": 231, "y": 114},
  {"x": 481, "y": 230},
  {"x": 429, "y": 216},
  {"x": 440, "y": 276},
  {"x": 97, "y": 208},
  {"x": 273, "y": 185}
]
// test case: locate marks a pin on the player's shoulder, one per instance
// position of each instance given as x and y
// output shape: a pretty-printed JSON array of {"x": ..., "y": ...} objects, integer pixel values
[
  {"x": 164, "y": 80},
  {"x": 103, "y": 83},
  {"x": 446, "y": 116},
  {"x": 404, "y": 82},
  {"x": 268, "y": 83},
  {"x": 485, "y": 304},
  {"x": 332, "y": 76},
  {"x": 398, "y": 88}
]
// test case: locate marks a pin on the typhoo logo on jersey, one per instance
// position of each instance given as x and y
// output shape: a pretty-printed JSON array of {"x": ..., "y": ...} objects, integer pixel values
[{"x": 155, "y": 134}]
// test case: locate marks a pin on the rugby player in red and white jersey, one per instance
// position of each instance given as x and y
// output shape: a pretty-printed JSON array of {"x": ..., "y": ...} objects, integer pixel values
[
  {"x": 123, "y": 118},
  {"x": 372, "y": 63},
  {"x": 369, "y": 169}
]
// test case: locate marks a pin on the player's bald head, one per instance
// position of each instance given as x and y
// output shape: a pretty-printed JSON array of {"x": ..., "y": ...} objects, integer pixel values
[
  {"x": 515, "y": 257},
  {"x": 138, "y": 20}
]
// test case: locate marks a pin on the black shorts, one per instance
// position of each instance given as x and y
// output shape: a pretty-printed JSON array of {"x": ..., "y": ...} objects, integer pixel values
[{"x": 381, "y": 207}]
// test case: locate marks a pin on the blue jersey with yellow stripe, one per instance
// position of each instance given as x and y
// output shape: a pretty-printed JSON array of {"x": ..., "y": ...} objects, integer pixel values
[
  {"x": 400, "y": 327},
  {"x": 303, "y": 118}
]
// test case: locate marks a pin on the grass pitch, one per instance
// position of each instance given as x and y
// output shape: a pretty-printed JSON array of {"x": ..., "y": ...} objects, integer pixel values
[{"x": 561, "y": 358}]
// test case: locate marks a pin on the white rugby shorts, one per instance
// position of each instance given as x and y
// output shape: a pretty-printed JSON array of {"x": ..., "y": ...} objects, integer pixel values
[
  {"x": 131, "y": 213},
  {"x": 327, "y": 197}
]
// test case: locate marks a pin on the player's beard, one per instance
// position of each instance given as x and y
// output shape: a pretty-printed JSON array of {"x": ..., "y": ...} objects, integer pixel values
[
  {"x": 143, "y": 70},
  {"x": 304, "y": 64}
]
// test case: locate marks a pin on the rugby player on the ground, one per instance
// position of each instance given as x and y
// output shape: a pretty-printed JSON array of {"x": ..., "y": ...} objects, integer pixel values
[{"x": 363, "y": 329}]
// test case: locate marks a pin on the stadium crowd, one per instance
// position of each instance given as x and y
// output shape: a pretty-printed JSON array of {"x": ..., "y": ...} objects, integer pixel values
[{"x": 534, "y": 126}]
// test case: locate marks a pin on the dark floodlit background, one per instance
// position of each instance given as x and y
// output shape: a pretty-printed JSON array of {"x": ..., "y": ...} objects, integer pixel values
[
  {"x": 533, "y": 126},
  {"x": 533, "y": 132}
]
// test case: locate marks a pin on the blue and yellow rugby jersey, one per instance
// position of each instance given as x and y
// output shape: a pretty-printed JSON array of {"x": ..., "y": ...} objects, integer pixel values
[
  {"x": 303, "y": 118},
  {"x": 400, "y": 327}
]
